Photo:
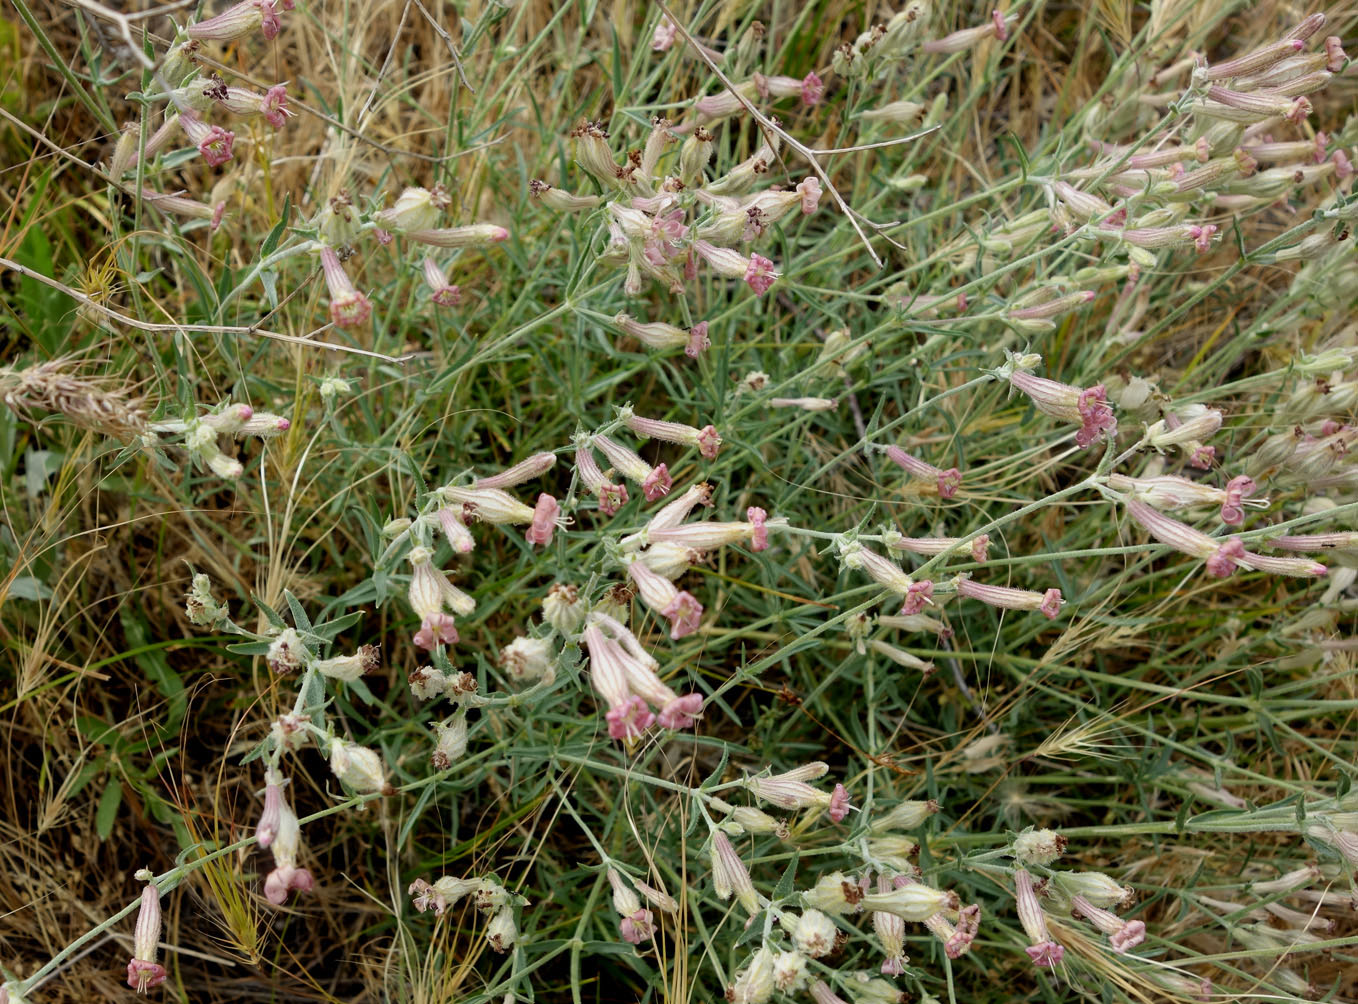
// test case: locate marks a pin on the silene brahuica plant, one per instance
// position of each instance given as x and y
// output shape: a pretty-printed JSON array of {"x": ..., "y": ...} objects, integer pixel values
[{"x": 739, "y": 501}]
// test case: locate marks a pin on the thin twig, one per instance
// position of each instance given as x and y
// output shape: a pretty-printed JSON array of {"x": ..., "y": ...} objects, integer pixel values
[
  {"x": 448, "y": 40},
  {"x": 223, "y": 329}
]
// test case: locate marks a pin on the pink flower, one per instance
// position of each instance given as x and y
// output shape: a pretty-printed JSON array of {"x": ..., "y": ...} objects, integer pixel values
[
  {"x": 917, "y": 596},
  {"x": 682, "y": 712},
  {"x": 1089, "y": 407},
  {"x": 142, "y": 970},
  {"x": 436, "y": 629},
  {"x": 813, "y": 89},
  {"x": 1236, "y": 490},
  {"x": 213, "y": 142},
  {"x": 948, "y": 481},
  {"x": 697, "y": 340},
  {"x": 1044, "y": 952},
  {"x": 682, "y": 610},
  {"x": 666, "y": 31},
  {"x": 839, "y": 804},
  {"x": 657, "y": 483},
  {"x": 348, "y": 307},
  {"x": 545, "y": 517},
  {"x": 810, "y": 191},
  {"x": 275, "y": 105},
  {"x": 637, "y": 927},
  {"x": 759, "y": 532},
  {"x": 442, "y": 292},
  {"x": 284, "y": 879},
  {"x": 654, "y": 481},
  {"x": 759, "y": 275},
  {"x": 630, "y": 719},
  {"x": 611, "y": 497}
]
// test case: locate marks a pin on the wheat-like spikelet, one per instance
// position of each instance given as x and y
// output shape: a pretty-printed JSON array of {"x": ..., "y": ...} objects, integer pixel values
[{"x": 55, "y": 386}]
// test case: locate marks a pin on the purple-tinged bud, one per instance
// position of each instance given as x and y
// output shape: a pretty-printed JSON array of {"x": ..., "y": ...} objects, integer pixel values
[
  {"x": 730, "y": 876},
  {"x": 271, "y": 818},
  {"x": 1005, "y": 598},
  {"x": 706, "y": 440},
  {"x": 559, "y": 199},
  {"x": 931, "y": 546},
  {"x": 459, "y": 537},
  {"x": 1315, "y": 542},
  {"x": 238, "y": 21},
  {"x": 1252, "y": 62},
  {"x": 1299, "y": 567},
  {"x": 525, "y": 470},
  {"x": 948, "y": 481},
  {"x": 475, "y": 235}
]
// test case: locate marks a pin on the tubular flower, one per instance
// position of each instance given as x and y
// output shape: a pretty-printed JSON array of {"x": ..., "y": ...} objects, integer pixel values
[
  {"x": 213, "y": 142},
  {"x": 143, "y": 972},
  {"x": 239, "y": 20},
  {"x": 887, "y": 574},
  {"x": 1044, "y": 952},
  {"x": 1122, "y": 934},
  {"x": 1221, "y": 556},
  {"x": 790, "y": 790},
  {"x": 611, "y": 497},
  {"x": 708, "y": 535},
  {"x": 1088, "y": 407},
  {"x": 525, "y": 470},
  {"x": 979, "y": 545},
  {"x": 441, "y": 292},
  {"x": 488, "y": 505},
  {"x": 659, "y": 335},
  {"x": 474, "y": 235},
  {"x": 891, "y": 934},
  {"x": 1169, "y": 492},
  {"x": 705, "y": 440},
  {"x": 285, "y": 844},
  {"x": 948, "y": 481},
  {"x": 756, "y": 270},
  {"x": 729, "y": 874},
  {"x": 636, "y": 924},
  {"x": 956, "y": 940},
  {"x": 911, "y": 900},
  {"x": 1010, "y": 599},
  {"x": 659, "y": 593},
  {"x": 348, "y": 307},
  {"x": 624, "y": 675},
  {"x": 654, "y": 481}
]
